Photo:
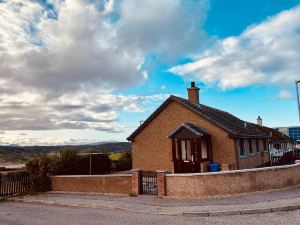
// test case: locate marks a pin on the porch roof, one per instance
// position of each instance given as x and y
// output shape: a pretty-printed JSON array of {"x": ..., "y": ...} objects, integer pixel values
[{"x": 188, "y": 130}]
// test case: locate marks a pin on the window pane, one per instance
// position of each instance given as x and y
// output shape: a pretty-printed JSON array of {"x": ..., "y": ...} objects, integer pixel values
[
  {"x": 250, "y": 147},
  {"x": 242, "y": 148},
  {"x": 176, "y": 150},
  {"x": 189, "y": 150},
  {"x": 204, "y": 149},
  {"x": 183, "y": 150}
]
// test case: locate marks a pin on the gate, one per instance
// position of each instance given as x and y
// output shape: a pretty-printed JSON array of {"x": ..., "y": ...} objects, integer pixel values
[{"x": 149, "y": 183}]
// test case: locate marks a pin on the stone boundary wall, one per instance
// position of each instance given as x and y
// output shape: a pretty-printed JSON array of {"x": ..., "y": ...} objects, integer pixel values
[
  {"x": 231, "y": 182},
  {"x": 110, "y": 184}
]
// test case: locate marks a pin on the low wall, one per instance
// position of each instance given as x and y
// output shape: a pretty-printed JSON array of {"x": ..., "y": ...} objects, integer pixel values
[
  {"x": 232, "y": 182},
  {"x": 117, "y": 183}
]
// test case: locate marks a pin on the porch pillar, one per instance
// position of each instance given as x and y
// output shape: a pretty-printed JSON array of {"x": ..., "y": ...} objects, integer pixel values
[
  {"x": 136, "y": 181},
  {"x": 161, "y": 183}
]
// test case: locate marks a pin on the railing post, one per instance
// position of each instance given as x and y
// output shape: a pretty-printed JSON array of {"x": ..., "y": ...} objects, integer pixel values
[
  {"x": 136, "y": 181},
  {"x": 161, "y": 183}
]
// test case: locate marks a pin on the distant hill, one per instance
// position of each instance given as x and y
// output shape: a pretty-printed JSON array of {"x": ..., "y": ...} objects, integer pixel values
[
  {"x": 14, "y": 154},
  {"x": 21, "y": 154}
]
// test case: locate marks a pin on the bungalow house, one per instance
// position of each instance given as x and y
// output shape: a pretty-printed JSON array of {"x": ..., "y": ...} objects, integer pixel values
[
  {"x": 184, "y": 136},
  {"x": 279, "y": 143}
]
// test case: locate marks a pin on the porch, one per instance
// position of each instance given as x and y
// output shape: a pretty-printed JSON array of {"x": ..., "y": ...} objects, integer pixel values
[{"x": 191, "y": 149}]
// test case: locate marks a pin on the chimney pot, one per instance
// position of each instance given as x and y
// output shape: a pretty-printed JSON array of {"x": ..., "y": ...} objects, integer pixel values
[{"x": 193, "y": 93}]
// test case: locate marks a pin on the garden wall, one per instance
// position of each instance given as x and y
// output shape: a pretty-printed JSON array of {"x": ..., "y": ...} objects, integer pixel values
[
  {"x": 116, "y": 184},
  {"x": 231, "y": 182}
]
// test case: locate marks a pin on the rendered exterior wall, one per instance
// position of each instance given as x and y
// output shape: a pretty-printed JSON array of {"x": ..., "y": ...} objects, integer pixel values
[
  {"x": 232, "y": 182},
  {"x": 152, "y": 149},
  {"x": 117, "y": 184}
]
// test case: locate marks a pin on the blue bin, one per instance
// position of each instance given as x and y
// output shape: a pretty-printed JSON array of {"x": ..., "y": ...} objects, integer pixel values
[{"x": 213, "y": 167}]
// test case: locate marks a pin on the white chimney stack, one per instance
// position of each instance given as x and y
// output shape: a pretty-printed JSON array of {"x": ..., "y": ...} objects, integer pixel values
[{"x": 259, "y": 121}]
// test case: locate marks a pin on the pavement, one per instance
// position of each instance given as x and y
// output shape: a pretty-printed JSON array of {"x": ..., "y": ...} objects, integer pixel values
[
  {"x": 18, "y": 213},
  {"x": 254, "y": 203}
]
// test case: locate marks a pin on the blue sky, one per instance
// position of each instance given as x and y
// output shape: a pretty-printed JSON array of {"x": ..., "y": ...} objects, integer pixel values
[{"x": 67, "y": 82}]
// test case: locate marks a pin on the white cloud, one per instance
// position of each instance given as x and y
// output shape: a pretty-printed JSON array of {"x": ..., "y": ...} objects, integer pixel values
[
  {"x": 31, "y": 111},
  {"x": 169, "y": 28},
  {"x": 267, "y": 53},
  {"x": 285, "y": 94},
  {"x": 60, "y": 61}
]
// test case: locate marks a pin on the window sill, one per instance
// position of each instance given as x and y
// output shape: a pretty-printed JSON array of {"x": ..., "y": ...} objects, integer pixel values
[
  {"x": 252, "y": 155},
  {"x": 242, "y": 156}
]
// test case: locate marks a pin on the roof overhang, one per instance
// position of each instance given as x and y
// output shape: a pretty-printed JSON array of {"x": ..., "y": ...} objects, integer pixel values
[{"x": 187, "y": 130}]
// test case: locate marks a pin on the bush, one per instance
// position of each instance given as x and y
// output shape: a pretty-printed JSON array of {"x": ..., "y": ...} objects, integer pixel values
[
  {"x": 39, "y": 168},
  {"x": 124, "y": 163},
  {"x": 66, "y": 162},
  {"x": 71, "y": 163}
]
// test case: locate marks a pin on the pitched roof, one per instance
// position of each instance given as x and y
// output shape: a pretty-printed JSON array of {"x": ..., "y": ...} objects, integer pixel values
[
  {"x": 275, "y": 134},
  {"x": 231, "y": 124},
  {"x": 199, "y": 132}
]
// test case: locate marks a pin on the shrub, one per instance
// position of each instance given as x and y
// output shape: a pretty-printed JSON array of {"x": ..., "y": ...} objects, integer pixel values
[
  {"x": 124, "y": 162},
  {"x": 39, "y": 168},
  {"x": 71, "y": 163},
  {"x": 66, "y": 162}
]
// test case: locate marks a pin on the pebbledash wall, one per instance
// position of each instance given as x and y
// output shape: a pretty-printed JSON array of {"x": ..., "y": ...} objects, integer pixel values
[
  {"x": 231, "y": 182},
  {"x": 198, "y": 185},
  {"x": 110, "y": 184}
]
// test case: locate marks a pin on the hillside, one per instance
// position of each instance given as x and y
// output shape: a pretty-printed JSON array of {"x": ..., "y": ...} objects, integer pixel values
[
  {"x": 19, "y": 154},
  {"x": 14, "y": 155}
]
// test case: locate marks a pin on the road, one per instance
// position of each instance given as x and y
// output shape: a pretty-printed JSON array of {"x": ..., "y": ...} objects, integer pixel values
[{"x": 33, "y": 214}]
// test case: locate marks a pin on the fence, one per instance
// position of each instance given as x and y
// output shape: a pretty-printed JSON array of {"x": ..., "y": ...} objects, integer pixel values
[{"x": 14, "y": 183}]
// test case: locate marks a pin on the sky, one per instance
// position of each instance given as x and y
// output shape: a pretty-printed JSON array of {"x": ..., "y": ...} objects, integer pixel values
[{"x": 87, "y": 71}]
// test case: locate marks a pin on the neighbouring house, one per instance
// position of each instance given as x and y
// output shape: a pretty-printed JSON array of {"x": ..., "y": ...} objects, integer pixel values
[
  {"x": 293, "y": 132},
  {"x": 184, "y": 136},
  {"x": 279, "y": 143}
]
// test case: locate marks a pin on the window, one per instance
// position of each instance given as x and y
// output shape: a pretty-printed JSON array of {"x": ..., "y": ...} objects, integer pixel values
[
  {"x": 251, "y": 151},
  {"x": 186, "y": 152},
  {"x": 257, "y": 146},
  {"x": 176, "y": 149},
  {"x": 204, "y": 149},
  {"x": 265, "y": 145},
  {"x": 242, "y": 148}
]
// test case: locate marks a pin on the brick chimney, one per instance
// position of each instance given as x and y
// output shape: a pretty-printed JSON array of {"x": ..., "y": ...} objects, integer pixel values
[
  {"x": 259, "y": 121},
  {"x": 193, "y": 93}
]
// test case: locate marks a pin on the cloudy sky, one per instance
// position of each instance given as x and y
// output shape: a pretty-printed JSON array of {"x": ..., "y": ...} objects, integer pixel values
[{"x": 85, "y": 71}]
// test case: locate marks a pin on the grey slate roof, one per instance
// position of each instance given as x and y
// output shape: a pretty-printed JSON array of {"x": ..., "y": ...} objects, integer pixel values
[
  {"x": 231, "y": 124},
  {"x": 191, "y": 127}
]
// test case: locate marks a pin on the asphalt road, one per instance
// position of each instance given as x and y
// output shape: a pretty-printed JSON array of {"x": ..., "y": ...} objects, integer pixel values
[{"x": 34, "y": 214}]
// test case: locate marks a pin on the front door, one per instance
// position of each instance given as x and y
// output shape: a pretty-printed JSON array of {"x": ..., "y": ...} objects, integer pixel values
[
  {"x": 189, "y": 153},
  {"x": 186, "y": 159}
]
